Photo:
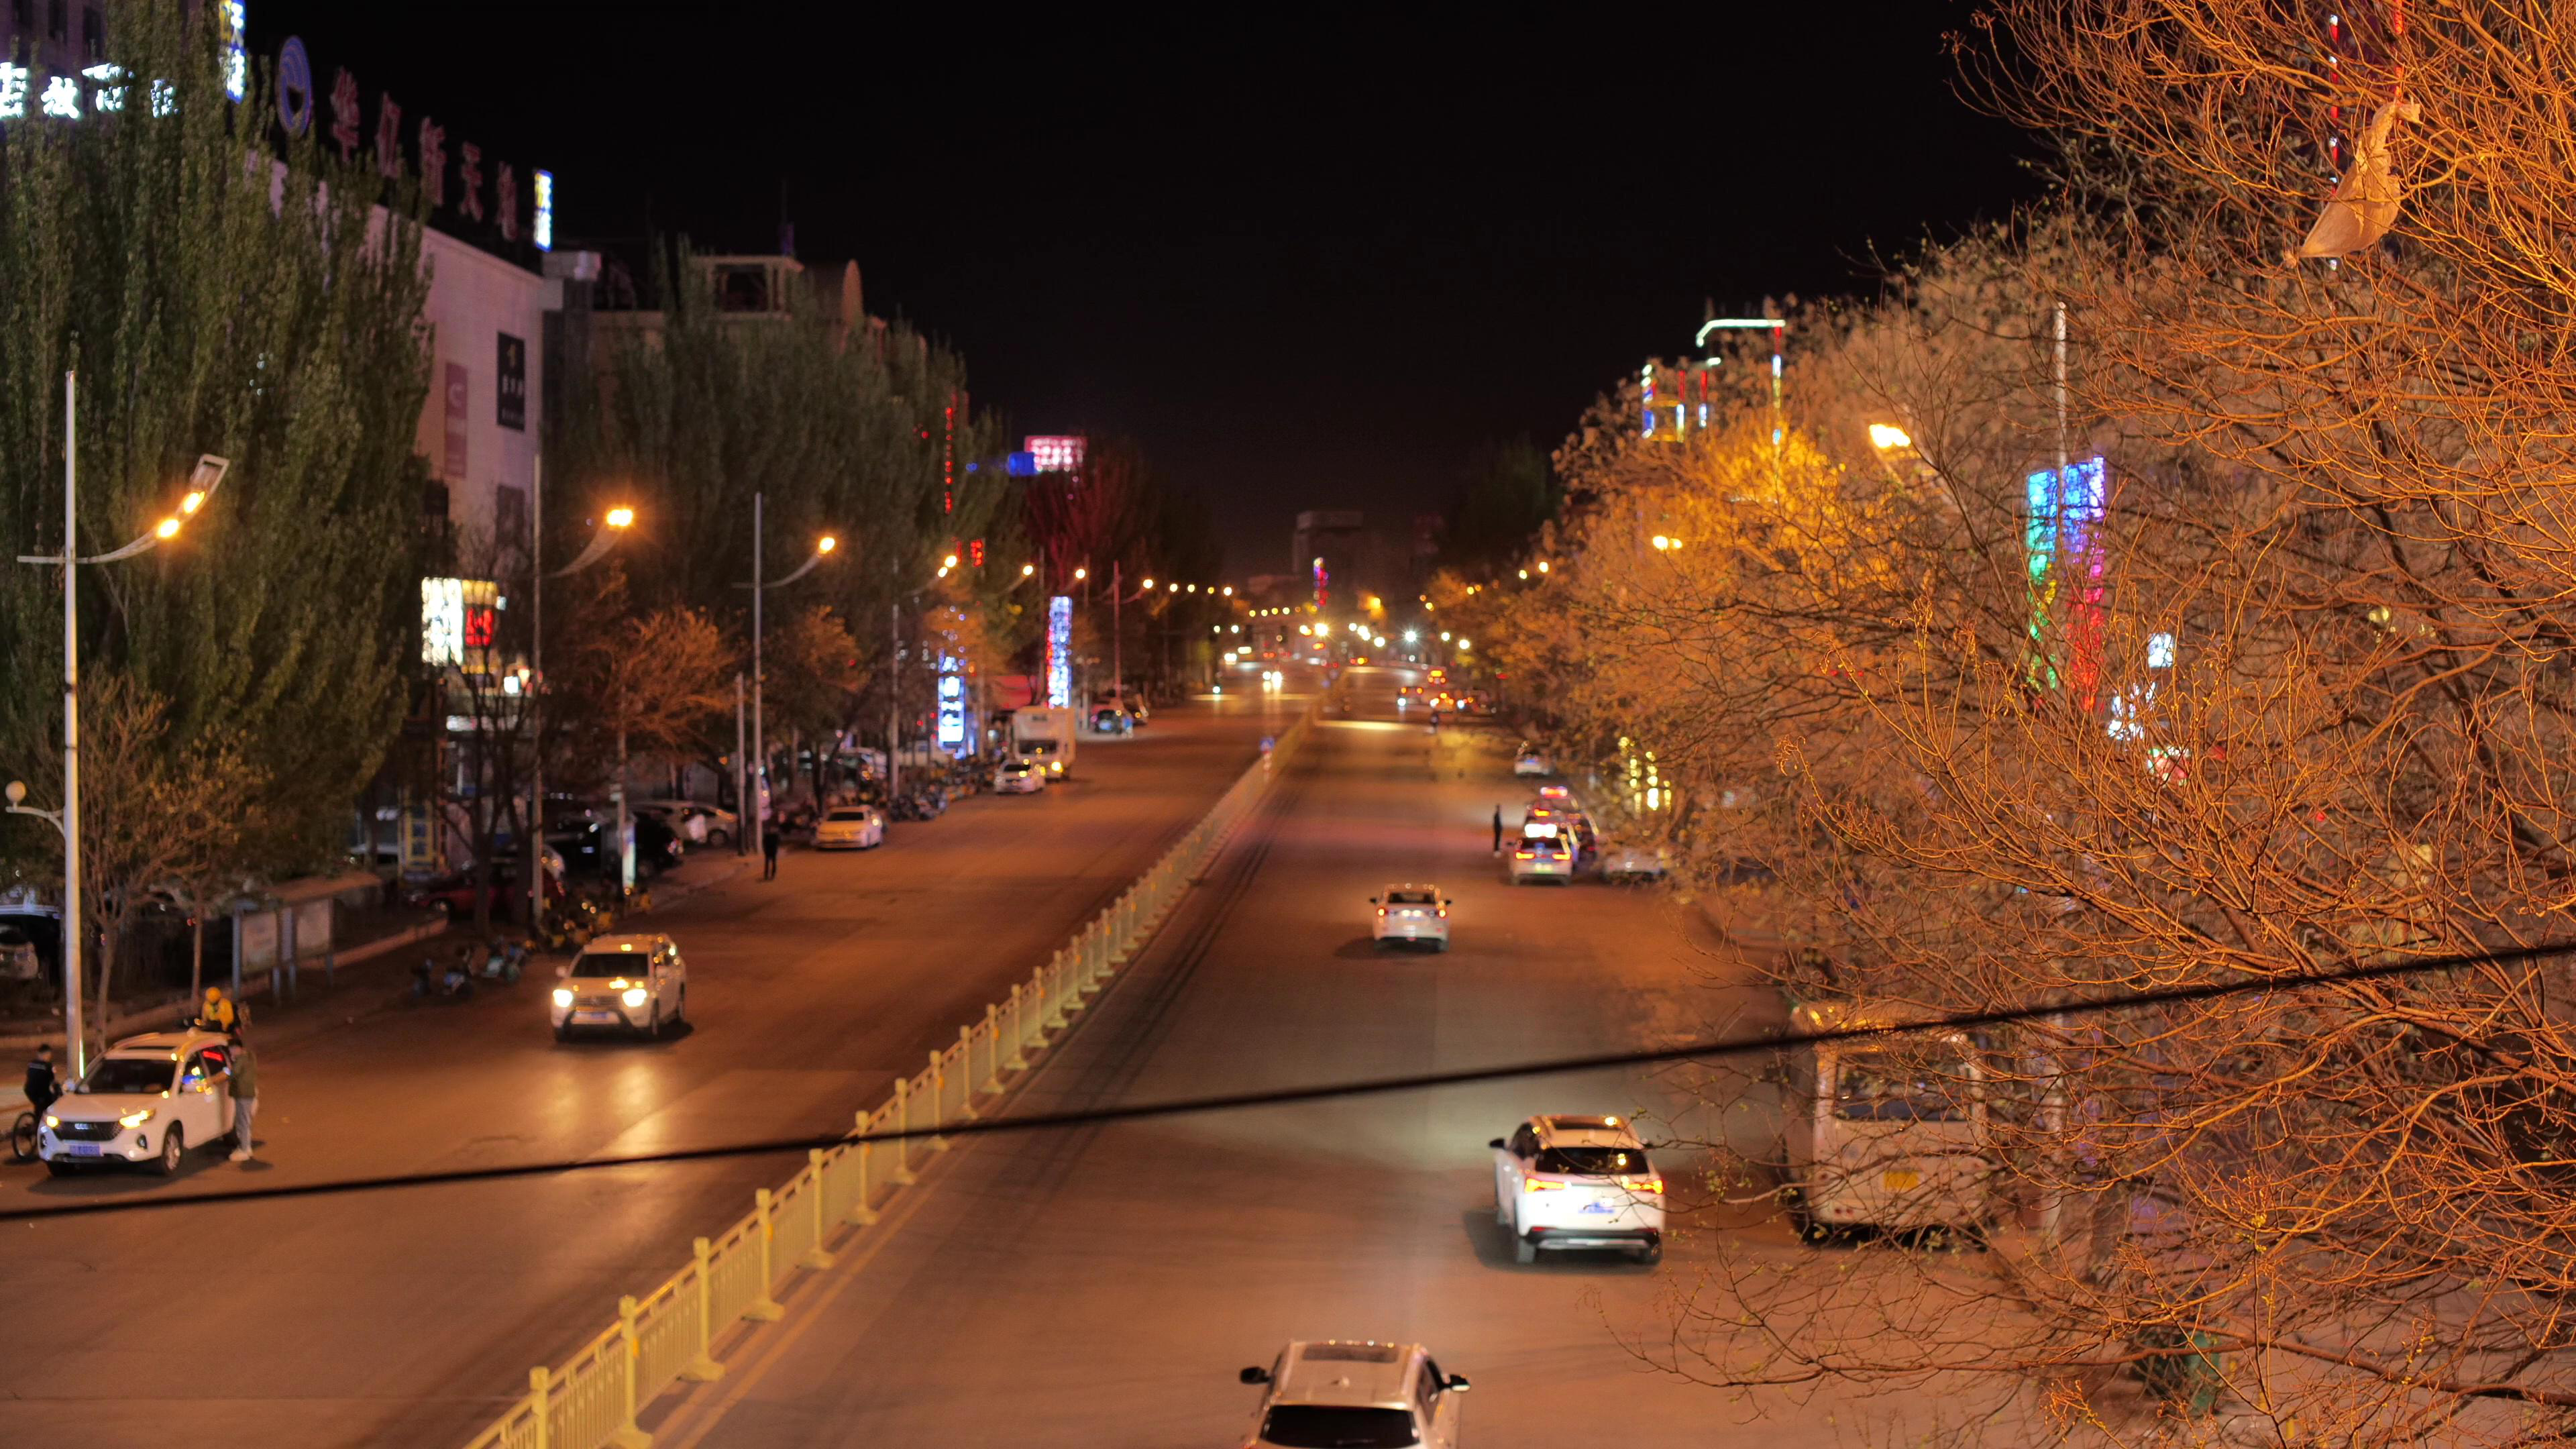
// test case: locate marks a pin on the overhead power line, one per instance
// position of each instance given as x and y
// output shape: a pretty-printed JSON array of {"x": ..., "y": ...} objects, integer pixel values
[{"x": 1291, "y": 1096}]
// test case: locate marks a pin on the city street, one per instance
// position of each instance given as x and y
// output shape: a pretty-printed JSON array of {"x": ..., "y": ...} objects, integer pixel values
[
  {"x": 408, "y": 1316},
  {"x": 1103, "y": 1286}
]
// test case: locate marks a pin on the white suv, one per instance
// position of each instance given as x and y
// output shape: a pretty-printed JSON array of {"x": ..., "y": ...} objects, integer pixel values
[
  {"x": 638, "y": 983},
  {"x": 1578, "y": 1182},
  {"x": 1414, "y": 914},
  {"x": 1346, "y": 1394},
  {"x": 149, "y": 1099},
  {"x": 1539, "y": 858}
]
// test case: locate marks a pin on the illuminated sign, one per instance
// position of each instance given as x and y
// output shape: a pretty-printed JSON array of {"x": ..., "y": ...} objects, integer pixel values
[
  {"x": 545, "y": 230},
  {"x": 952, "y": 702},
  {"x": 1056, "y": 455},
  {"x": 457, "y": 616},
  {"x": 1060, "y": 652},
  {"x": 2062, "y": 538}
]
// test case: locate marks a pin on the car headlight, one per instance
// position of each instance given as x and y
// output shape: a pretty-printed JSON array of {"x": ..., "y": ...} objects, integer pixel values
[
  {"x": 135, "y": 1118},
  {"x": 563, "y": 996},
  {"x": 53, "y": 1121},
  {"x": 635, "y": 996}
]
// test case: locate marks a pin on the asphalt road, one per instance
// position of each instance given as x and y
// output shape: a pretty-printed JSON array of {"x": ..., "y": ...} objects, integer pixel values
[
  {"x": 1103, "y": 1285},
  {"x": 409, "y": 1316}
]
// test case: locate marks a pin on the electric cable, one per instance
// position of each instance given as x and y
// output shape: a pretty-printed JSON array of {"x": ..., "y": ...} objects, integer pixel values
[{"x": 1290, "y": 1096}]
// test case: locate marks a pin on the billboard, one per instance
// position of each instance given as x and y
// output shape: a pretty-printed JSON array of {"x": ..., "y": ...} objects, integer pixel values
[
  {"x": 1059, "y": 660},
  {"x": 952, "y": 703},
  {"x": 1060, "y": 454},
  {"x": 458, "y": 618}
]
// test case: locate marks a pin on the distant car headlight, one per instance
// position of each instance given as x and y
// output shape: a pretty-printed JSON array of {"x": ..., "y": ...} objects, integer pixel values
[
  {"x": 135, "y": 1118},
  {"x": 563, "y": 996},
  {"x": 636, "y": 996}
]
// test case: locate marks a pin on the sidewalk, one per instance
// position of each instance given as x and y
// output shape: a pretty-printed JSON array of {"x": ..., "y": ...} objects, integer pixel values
[{"x": 325, "y": 1002}]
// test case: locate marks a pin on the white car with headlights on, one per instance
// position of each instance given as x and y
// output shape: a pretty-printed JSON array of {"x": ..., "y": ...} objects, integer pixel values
[
  {"x": 625, "y": 983},
  {"x": 1412, "y": 915},
  {"x": 1360, "y": 1394},
  {"x": 1578, "y": 1182},
  {"x": 850, "y": 827},
  {"x": 148, "y": 1100},
  {"x": 1019, "y": 777}
]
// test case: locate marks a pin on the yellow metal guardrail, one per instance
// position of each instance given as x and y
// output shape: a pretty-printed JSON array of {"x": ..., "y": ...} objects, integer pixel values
[{"x": 669, "y": 1336}]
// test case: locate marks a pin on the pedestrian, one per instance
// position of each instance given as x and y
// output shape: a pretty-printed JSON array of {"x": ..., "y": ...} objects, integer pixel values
[
  {"x": 769, "y": 850},
  {"x": 245, "y": 1098},
  {"x": 1498, "y": 830},
  {"x": 42, "y": 1089}
]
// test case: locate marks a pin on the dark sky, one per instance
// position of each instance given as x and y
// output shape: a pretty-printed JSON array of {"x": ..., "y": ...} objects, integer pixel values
[{"x": 1306, "y": 262}]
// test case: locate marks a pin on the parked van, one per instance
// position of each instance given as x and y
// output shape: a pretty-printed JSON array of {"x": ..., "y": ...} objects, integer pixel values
[{"x": 1883, "y": 1132}]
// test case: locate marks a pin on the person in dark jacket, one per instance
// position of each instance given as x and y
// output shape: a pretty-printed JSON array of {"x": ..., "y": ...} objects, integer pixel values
[
  {"x": 1498, "y": 830},
  {"x": 42, "y": 1088},
  {"x": 245, "y": 1095},
  {"x": 769, "y": 850}
]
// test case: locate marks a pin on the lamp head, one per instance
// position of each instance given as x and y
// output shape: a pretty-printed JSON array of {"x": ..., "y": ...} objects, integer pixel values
[
  {"x": 826, "y": 544},
  {"x": 16, "y": 791},
  {"x": 620, "y": 517},
  {"x": 166, "y": 528},
  {"x": 1027, "y": 569}
]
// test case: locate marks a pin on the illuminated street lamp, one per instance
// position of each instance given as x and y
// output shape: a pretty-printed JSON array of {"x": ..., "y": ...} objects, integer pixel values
[
  {"x": 757, "y": 817},
  {"x": 1888, "y": 439},
  {"x": 612, "y": 525},
  {"x": 202, "y": 483}
]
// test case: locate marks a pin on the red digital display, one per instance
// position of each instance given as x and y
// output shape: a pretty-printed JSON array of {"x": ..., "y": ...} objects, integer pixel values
[{"x": 481, "y": 621}]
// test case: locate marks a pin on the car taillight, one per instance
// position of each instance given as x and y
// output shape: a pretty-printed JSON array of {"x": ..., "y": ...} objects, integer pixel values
[
  {"x": 1540, "y": 1184},
  {"x": 1381, "y": 910},
  {"x": 1647, "y": 1184},
  {"x": 1444, "y": 913},
  {"x": 1528, "y": 855}
]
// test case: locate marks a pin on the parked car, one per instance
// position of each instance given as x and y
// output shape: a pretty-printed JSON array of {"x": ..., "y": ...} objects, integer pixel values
[
  {"x": 1628, "y": 864},
  {"x": 1355, "y": 1392},
  {"x": 697, "y": 823},
  {"x": 452, "y": 894},
  {"x": 1542, "y": 860},
  {"x": 1109, "y": 719},
  {"x": 1578, "y": 1182},
  {"x": 850, "y": 827},
  {"x": 1018, "y": 777},
  {"x": 147, "y": 1100},
  {"x": 1530, "y": 762},
  {"x": 633, "y": 982},
  {"x": 588, "y": 847},
  {"x": 20, "y": 963}
]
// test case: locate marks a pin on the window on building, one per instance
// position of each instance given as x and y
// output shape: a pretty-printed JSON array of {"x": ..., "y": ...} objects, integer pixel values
[
  {"x": 93, "y": 32},
  {"x": 58, "y": 22},
  {"x": 22, "y": 18}
]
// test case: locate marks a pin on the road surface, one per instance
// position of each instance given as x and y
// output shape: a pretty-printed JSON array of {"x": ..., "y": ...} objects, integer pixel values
[
  {"x": 408, "y": 1317},
  {"x": 1102, "y": 1286}
]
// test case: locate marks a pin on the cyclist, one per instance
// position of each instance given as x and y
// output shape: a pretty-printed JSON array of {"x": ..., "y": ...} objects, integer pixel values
[{"x": 42, "y": 1089}]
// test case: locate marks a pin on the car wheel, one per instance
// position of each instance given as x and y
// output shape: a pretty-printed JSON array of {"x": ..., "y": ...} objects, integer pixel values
[
  {"x": 719, "y": 838},
  {"x": 563, "y": 1033},
  {"x": 1524, "y": 1252},
  {"x": 1651, "y": 1254},
  {"x": 174, "y": 1148}
]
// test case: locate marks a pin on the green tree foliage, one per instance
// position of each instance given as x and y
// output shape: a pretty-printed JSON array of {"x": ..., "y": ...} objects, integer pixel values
[{"x": 210, "y": 307}]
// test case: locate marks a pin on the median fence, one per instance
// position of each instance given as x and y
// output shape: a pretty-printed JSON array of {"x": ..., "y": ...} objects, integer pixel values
[{"x": 673, "y": 1334}]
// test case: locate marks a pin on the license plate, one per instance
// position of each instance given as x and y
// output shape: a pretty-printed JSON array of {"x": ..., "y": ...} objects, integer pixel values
[
  {"x": 81, "y": 1149},
  {"x": 596, "y": 1016},
  {"x": 1601, "y": 1209},
  {"x": 1901, "y": 1180}
]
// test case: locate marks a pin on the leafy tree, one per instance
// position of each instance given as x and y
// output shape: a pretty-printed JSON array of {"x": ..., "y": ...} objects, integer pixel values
[{"x": 210, "y": 307}]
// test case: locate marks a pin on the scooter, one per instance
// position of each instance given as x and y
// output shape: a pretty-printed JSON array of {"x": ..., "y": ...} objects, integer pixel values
[
  {"x": 428, "y": 981},
  {"x": 498, "y": 960}
]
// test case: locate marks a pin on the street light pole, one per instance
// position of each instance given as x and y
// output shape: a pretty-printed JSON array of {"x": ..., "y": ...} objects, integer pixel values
[
  {"x": 613, "y": 522},
  {"x": 759, "y": 740},
  {"x": 202, "y": 483}
]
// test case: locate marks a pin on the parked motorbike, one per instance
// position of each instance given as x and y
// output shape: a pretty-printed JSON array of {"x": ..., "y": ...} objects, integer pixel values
[
  {"x": 502, "y": 961},
  {"x": 453, "y": 984}
]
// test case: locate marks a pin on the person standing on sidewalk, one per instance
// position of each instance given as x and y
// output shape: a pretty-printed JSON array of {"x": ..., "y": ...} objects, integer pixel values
[
  {"x": 245, "y": 1097},
  {"x": 1498, "y": 830},
  {"x": 769, "y": 850}
]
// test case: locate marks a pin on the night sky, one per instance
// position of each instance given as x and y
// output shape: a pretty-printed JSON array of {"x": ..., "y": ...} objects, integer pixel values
[{"x": 1306, "y": 262}]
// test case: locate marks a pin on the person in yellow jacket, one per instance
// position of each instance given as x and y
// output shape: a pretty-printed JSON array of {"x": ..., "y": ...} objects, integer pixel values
[{"x": 218, "y": 1012}]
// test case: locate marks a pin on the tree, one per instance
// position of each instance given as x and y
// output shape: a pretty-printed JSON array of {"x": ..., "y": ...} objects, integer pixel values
[
  {"x": 815, "y": 676},
  {"x": 210, "y": 307},
  {"x": 649, "y": 682}
]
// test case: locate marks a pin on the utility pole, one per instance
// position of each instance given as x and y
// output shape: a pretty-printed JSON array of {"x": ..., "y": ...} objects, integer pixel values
[
  {"x": 74, "y": 927},
  {"x": 741, "y": 765},
  {"x": 759, "y": 811},
  {"x": 894, "y": 691},
  {"x": 1117, "y": 640},
  {"x": 529, "y": 700}
]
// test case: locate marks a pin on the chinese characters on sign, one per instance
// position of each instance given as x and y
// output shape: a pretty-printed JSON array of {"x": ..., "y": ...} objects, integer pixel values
[
  {"x": 452, "y": 467},
  {"x": 1059, "y": 664},
  {"x": 952, "y": 702},
  {"x": 511, "y": 397},
  {"x": 1058, "y": 454}
]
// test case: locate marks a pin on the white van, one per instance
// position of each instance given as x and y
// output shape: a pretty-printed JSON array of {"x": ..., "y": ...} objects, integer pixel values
[{"x": 1883, "y": 1132}]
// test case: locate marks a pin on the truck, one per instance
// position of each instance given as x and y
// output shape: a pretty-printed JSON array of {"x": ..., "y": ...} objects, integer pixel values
[{"x": 1046, "y": 736}]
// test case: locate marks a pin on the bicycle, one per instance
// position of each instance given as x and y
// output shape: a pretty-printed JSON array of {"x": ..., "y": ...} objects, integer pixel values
[{"x": 22, "y": 1137}]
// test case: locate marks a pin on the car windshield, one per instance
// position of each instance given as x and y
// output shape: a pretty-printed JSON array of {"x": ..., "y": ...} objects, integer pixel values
[
  {"x": 1411, "y": 898},
  {"x": 1888, "y": 1086},
  {"x": 1038, "y": 747},
  {"x": 128, "y": 1075},
  {"x": 1333, "y": 1426},
  {"x": 1594, "y": 1161},
  {"x": 848, "y": 815},
  {"x": 601, "y": 965}
]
